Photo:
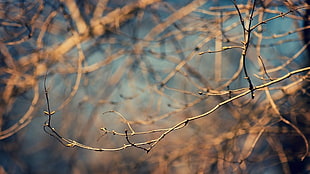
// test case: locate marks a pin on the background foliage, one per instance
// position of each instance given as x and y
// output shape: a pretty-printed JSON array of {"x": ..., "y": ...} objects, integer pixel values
[{"x": 200, "y": 91}]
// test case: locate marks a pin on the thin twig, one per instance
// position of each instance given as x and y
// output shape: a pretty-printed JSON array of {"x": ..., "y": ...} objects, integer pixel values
[
  {"x": 223, "y": 49},
  {"x": 276, "y": 17},
  {"x": 261, "y": 60}
]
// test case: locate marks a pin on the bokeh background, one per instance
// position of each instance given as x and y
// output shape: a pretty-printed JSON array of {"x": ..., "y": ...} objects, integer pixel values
[{"x": 141, "y": 59}]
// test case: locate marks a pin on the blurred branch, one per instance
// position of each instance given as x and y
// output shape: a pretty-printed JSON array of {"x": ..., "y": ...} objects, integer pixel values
[
  {"x": 26, "y": 119},
  {"x": 276, "y": 110}
]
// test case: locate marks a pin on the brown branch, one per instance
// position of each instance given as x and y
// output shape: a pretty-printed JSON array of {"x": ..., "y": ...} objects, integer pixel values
[
  {"x": 223, "y": 49},
  {"x": 276, "y": 110},
  {"x": 276, "y": 17},
  {"x": 26, "y": 119}
]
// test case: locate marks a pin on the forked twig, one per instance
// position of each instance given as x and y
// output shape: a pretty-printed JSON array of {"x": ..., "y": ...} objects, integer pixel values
[{"x": 247, "y": 36}]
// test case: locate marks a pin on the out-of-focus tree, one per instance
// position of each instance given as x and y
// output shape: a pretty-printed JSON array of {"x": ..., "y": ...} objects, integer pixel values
[{"x": 201, "y": 86}]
